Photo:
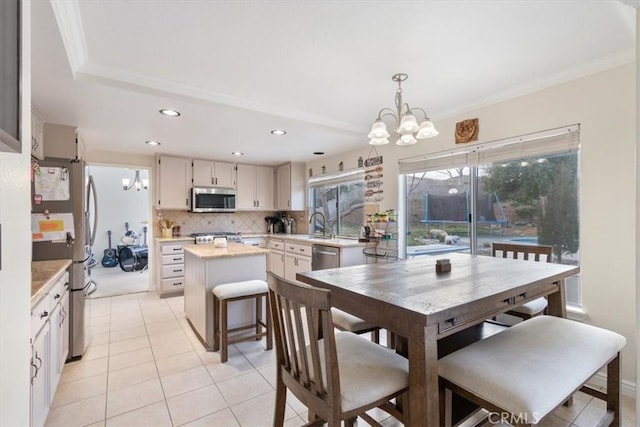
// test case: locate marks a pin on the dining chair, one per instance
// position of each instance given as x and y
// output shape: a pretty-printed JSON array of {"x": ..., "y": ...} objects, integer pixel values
[
  {"x": 526, "y": 252},
  {"x": 338, "y": 375}
]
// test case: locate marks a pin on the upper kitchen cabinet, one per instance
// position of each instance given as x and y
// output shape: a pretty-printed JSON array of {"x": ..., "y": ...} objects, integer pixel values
[
  {"x": 174, "y": 182},
  {"x": 214, "y": 174},
  {"x": 255, "y": 188},
  {"x": 37, "y": 135},
  {"x": 291, "y": 187},
  {"x": 61, "y": 141}
]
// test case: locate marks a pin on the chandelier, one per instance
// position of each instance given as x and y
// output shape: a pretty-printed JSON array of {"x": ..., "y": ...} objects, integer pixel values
[
  {"x": 137, "y": 183},
  {"x": 406, "y": 126}
]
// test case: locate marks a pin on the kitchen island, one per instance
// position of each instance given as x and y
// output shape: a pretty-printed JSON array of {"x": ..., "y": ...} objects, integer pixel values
[{"x": 206, "y": 267}]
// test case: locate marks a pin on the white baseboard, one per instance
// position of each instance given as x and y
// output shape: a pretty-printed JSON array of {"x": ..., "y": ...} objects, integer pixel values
[{"x": 627, "y": 388}]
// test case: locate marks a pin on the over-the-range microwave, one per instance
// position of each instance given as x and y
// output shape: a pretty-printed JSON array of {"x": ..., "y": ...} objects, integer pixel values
[{"x": 213, "y": 199}]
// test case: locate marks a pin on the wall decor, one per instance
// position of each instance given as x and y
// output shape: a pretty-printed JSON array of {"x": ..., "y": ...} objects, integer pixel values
[
  {"x": 373, "y": 177},
  {"x": 467, "y": 130}
]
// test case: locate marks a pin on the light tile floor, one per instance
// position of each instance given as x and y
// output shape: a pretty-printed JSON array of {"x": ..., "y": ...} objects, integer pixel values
[{"x": 145, "y": 367}]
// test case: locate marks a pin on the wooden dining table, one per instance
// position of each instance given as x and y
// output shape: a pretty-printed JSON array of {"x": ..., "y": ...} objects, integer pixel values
[{"x": 410, "y": 299}]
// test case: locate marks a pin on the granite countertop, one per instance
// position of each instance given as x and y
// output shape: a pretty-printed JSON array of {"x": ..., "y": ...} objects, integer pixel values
[
  {"x": 44, "y": 274},
  {"x": 232, "y": 250},
  {"x": 174, "y": 239},
  {"x": 339, "y": 242}
]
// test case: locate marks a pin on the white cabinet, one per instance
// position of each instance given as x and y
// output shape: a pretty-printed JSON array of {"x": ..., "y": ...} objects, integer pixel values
[
  {"x": 291, "y": 187},
  {"x": 39, "y": 376},
  {"x": 37, "y": 135},
  {"x": 276, "y": 257},
  {"x": 297, "y": 259},
  {"x": 259, "y": 242},
  {"x": 255, "y": 188},
  {"x": 170, "y": 268},
  {"x": 61, "y": 141},
  {"x": 174, "y": 183},
  {"x": 208, "y": 174}
]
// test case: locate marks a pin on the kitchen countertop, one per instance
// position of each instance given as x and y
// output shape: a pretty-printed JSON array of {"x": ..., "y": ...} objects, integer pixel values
[
  {"x": 44, "y": 274},
  {"x": 232, "y": 250},
  {"x": 339, "y": 242},
  {"x": 174, "y": 239}
]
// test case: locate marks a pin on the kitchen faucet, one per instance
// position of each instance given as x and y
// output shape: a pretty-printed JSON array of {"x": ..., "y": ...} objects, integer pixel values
[{"x": 324, "y": 223}]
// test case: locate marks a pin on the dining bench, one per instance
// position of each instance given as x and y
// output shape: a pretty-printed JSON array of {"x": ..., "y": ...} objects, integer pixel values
[{"x": 525, "y": 372}]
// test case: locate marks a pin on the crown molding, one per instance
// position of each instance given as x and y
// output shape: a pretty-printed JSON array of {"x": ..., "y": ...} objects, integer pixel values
[
  {"x": 67, "y": 14},
  {"x": 600, "y": 65},
  {"x": 633, "y": 3}
]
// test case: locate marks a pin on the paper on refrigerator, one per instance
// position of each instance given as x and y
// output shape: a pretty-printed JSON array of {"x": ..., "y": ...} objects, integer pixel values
[{"x": 52, "y": 227}]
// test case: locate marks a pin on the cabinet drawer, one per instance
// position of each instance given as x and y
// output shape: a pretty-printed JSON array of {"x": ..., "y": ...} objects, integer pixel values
[
  {"x": 173, "y": 284},
  {"x": 58, "y": 289},
  {"x": 278, "y": 245},
  {"x": 172, "y": 249},
  {"x": 293, "y": 248},
  {"x": 173, "y": 259},
  {"x": 40, "y": 314},
  {"x": 175, "y": 270}
]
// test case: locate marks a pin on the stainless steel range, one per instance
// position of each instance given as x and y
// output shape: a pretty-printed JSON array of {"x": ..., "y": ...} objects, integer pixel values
[{"x": 206, "y": 238}]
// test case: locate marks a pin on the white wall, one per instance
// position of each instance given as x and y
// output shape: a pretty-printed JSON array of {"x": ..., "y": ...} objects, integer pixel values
[
  {"x": 604, "y": 104},
  {"x": 116, "y": 206},
  {"x": 15, "y": 276}
]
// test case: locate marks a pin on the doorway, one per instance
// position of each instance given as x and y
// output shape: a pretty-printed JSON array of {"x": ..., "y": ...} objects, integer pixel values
[{"x": 120, "y": 251}]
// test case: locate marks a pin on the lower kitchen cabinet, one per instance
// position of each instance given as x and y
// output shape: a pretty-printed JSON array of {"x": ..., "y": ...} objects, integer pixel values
[
  {"x": 170, "y": 266},
  {"x": 276, "y": 257},
  {"x": 40, "y": 392},
  {"x": 297, "y": 259}
]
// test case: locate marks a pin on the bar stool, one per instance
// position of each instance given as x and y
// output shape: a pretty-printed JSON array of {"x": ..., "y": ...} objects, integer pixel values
[{"x": 238, "y": 291}]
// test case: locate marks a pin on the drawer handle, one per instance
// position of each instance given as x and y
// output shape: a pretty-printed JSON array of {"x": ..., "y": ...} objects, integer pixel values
[
  {"x": 177, "y": 283},
  {"x": 510, "y": 300},
  {"x": 176, "y": 249},
  {"x": 44, "y": 314},
  {"x": 177, "y": 271},
  {"x": 56, "y": 296},
  {"x": 177, "y": 259}
]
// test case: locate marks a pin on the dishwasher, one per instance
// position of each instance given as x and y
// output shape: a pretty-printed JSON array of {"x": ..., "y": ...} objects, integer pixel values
[{"x": 323, "y": 257}]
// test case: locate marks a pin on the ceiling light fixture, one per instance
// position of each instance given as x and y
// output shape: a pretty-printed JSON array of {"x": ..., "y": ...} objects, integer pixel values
[
  {"x": 137, "y": 183},
  {"x": 279, "y": 132},
  {"x": 405, "y": 124},
  {"x": 170, "y": 112},
  {"x": 152, "y": 142},
  {"x": 238, "y": 153}
]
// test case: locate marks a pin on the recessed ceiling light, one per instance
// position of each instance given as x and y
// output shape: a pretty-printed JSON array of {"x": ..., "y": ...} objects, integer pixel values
[
  {"x": 169, "y": 112},
  {"x": 152, "y": 142},
  {"x": 318, "y": 153},
  {"x": 238, "y": 153},
  {"x": 279, "y": 132}
]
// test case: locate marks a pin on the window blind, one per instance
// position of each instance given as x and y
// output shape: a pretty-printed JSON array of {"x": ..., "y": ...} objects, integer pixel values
[
  {"x": 336, "y": 178},
  {"x": 553, "y": 141}
]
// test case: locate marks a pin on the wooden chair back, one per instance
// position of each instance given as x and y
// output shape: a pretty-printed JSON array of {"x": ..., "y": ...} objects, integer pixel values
[
  {"x": 301, "y": 316},
  {"x": 517, "y": 251}
]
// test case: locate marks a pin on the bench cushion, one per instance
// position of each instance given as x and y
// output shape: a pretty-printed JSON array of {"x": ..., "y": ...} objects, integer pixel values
[
  {"x": 532, "y": 307},
  {"x": 240, "y": 289},
  {"x": 532, "y": 367},
  {"x": 348, "y": 321}
]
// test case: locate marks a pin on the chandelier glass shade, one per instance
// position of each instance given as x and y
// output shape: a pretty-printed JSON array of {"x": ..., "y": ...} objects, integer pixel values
[
  {"x": 137, "y": 183},
  {"x": 407, "y": 130}
]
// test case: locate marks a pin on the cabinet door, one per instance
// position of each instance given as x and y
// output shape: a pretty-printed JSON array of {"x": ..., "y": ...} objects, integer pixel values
[
  {"x": 303, "y": 264},
  {"x": 246, "y": 191},
  {"x": 64, "y": 311},
  {"x": 276, "y": 263},
  {"x": 290, "y": 261},
  {"x": 174, "y": 183},
  {"x": 203, "y": 173},
  {"x": 284, "y": 187},
  {"x": 55, "y": 340},
  {"x": 40, "y": 377},
  {"x": 265, "y": 188},
  {"x": 224, "y": 174}
]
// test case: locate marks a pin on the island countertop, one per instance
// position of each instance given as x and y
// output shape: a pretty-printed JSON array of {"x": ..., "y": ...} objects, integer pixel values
[
  {"x": 232, "y": 250},
  {"x": 44, "y": 274}
]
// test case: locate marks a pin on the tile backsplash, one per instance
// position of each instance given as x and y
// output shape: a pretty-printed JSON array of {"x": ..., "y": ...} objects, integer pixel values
[{"x": 243, "y": 222}]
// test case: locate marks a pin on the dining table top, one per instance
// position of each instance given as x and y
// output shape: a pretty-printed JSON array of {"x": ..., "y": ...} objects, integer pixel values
[{"x": 413, "y": 300}]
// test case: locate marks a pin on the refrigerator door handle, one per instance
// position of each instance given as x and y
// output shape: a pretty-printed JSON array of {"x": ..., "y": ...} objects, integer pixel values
[{"x": 91, "y": 191}]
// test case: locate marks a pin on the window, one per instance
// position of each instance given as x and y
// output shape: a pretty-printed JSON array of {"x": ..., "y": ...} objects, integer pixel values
[
  {"x": 340, "y": 199},
  {"x": 524, "y": 190}
]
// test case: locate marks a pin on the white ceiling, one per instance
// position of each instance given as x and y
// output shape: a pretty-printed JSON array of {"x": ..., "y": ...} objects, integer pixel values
[{"x": 319, "y": 69}]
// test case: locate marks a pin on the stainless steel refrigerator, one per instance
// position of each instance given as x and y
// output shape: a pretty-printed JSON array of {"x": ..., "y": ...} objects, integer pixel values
[{"x": 82, "y": 203}]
